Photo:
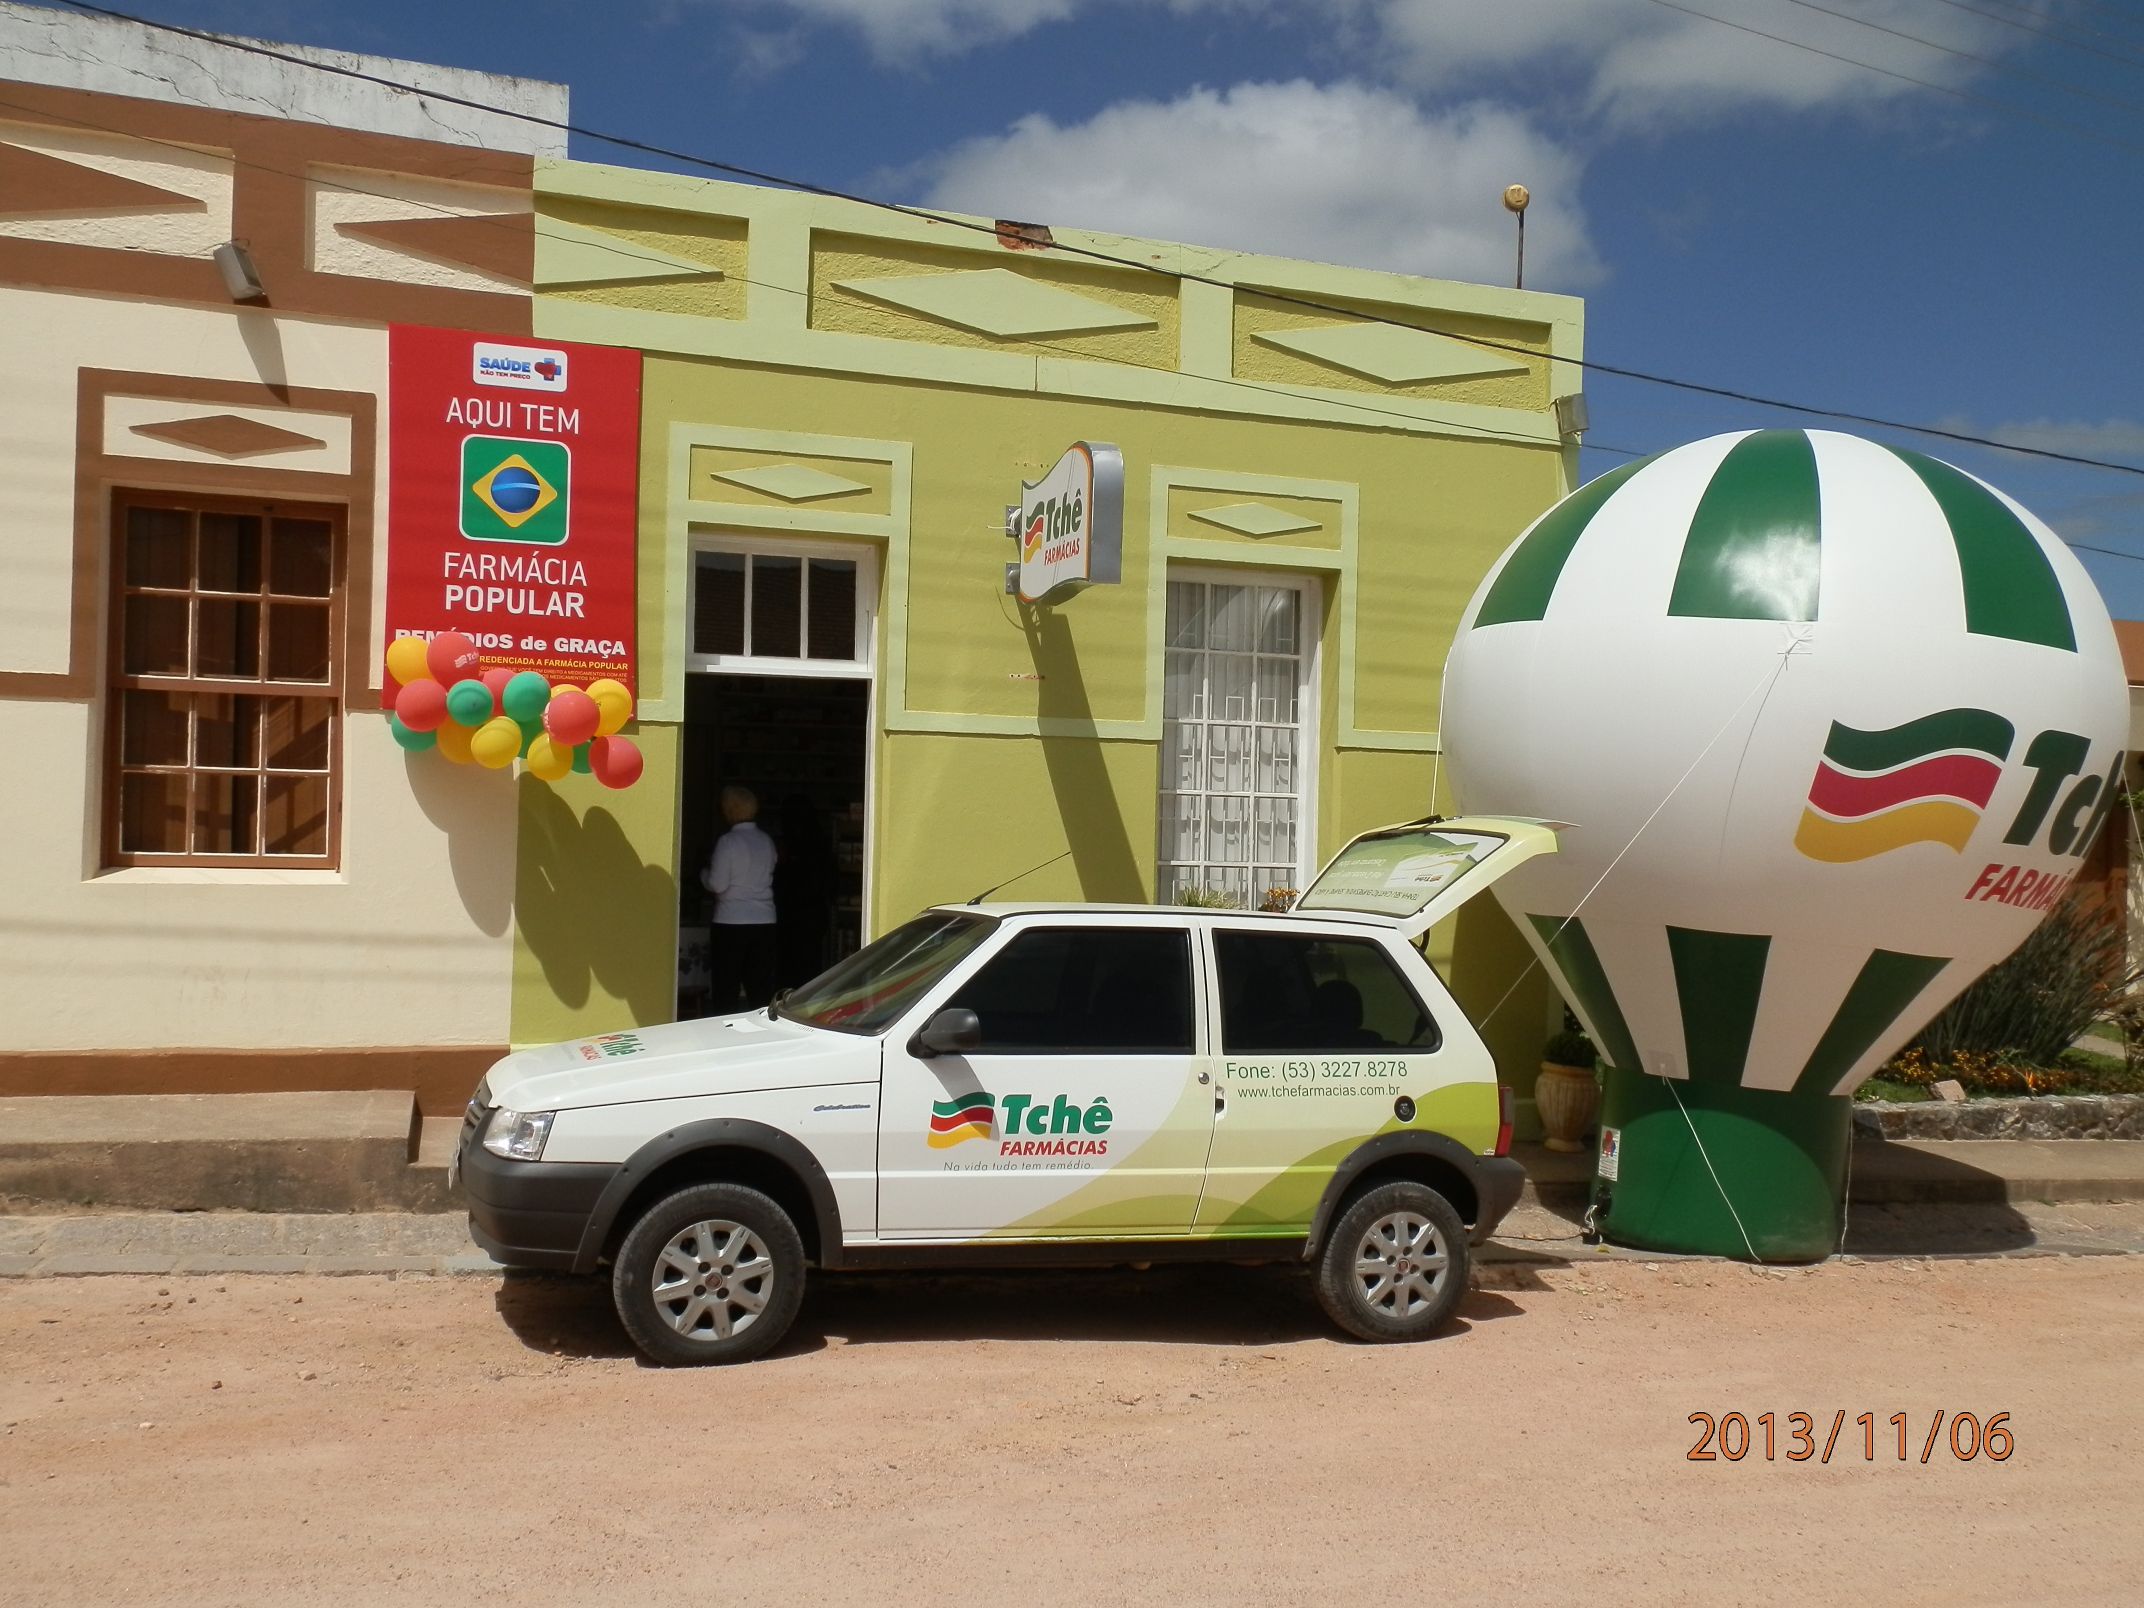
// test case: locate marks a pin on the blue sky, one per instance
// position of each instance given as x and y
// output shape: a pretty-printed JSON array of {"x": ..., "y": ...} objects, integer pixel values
[{"x": 1953, "y": 238}]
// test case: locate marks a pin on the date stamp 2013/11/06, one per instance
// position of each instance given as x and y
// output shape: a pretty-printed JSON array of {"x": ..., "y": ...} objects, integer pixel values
[{"x": 1796, "y": 1437}]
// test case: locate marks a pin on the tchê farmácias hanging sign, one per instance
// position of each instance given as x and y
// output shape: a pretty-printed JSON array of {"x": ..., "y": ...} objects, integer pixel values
[
  {"x": 512, "y": 507},
  {"x": 1070, "y": 526}
]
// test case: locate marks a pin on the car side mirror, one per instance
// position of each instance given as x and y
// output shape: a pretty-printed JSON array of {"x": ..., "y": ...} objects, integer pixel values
[{"x": 951, "y": 1032}]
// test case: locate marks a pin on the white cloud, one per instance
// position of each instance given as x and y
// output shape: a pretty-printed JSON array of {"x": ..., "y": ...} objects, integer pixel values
[
  {"x": 906, "y": 30},
  {"x": 1341, "y": 173},
  {"x": 1633, "y": 62},
  {"x": 2119, "y": 439}
]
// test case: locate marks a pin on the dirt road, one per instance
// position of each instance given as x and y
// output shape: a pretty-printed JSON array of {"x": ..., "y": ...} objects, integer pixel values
[{"x": 1191, "y": 1437}]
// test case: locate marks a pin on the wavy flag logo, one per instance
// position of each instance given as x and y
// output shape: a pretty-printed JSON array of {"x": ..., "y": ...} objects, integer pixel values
[
  {"x": 1926, "y": 781},
  {"x": 968, "y": 1116}
]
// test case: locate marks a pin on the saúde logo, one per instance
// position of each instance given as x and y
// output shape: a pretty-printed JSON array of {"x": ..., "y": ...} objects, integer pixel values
[
  {"x": 1061, "y": 1127},
  {"x": 519, "y": 368}
]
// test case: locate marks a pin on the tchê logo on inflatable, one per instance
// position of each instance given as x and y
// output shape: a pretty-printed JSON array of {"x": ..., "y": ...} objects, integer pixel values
[{"x": 1032, "y": 1127}]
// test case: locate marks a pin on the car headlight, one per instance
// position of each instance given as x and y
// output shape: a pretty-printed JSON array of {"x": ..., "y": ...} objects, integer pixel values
[{"x": 518, "y": 1135}]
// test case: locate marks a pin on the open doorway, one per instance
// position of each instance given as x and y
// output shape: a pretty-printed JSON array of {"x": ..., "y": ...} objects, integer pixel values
[{"x": 797, "y": 744}]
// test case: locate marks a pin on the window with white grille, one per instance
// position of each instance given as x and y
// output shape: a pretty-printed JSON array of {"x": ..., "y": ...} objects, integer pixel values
[{"x": 1237, "y": 755}]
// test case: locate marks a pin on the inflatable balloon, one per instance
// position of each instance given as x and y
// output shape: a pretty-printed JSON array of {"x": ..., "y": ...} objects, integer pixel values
[
  {"x": 406, "y": 660},
  {"x": 615, "y": 760},
  {"x": 470, "y": 702},
  {"x": 571, "y": 718},
  {"x": 1836, "y": 722},
  {"x": 582, "y": 765},
  {"x": 496, "y": 743},
  {"x": 409, "y": 737},
  {"x": 615, "y": 703},
  {"x": 495, "y": 681},
  {"x": 451, "y": 657},
  {"x": 525, "y": 696},
  {"x": 547, "y": 761},
  {"x": 421, "y": 705},
  {"x": 454, "y": 742}
]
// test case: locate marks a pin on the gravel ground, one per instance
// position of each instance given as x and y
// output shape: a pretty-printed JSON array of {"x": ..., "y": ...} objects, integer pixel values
[{"x": 1189, "y": 1436}]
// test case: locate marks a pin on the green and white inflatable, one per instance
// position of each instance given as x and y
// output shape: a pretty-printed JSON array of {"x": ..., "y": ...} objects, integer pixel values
[{"x": 1836, "y": 723}]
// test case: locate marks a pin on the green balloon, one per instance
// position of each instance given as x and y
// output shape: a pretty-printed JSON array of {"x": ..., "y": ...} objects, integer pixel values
[
  {"x": 469, "y": 702},
  {"x": 530, "y": 731},
  {"x": 580, "y": 760},
  {"x": 524, "y": 699},
  {"x": 415, "y": 741}
]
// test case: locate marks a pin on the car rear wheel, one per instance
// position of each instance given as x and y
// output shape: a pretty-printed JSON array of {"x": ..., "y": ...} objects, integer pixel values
[
  {"x": 713, "y": 1273},
  {"x": 1395, "y": 1265}
]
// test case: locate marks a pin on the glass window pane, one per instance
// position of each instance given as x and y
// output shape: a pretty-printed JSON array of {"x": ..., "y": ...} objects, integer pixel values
[
  {"x": 718, "y": 603},
  {"x": 295, "y": 732},
  {"x": 152, "y": 813},
  {"x": 1230, "y": 624},
  {"x": 1228, "y": 680},
  {"x": 297, "y": 815},
  {"x": 155, "y": 637},
  {"x": 1276, "y": 759},
  {"x": 230, "y": 553},
  {"x": 1273, "y": 835},
  {"x": 1228, "y": 830},
  {"x": 152, "y": 728},
  {"x": 833, "y": 610},
  {"x": 297, "y": 641},
  {"x": 1069, "y": 991},
  {"x": 227, "y": 732},
  {"x": 301, "y": 558},
  {"x": 776, "y": 607},
  {"x": 1187, "y": 614},
  {"x": 1180, "y": 685},
  {"x": 229, "y": 641},
  {"x": 1183, "y": 756},
  {"x": 1281, "y": 992},
  {"x": 159, "y": 548},
  {"x": 1181, "y": 815},
  {"x": 1278, "y": 607},
  {"x": 227, "y": 814}
]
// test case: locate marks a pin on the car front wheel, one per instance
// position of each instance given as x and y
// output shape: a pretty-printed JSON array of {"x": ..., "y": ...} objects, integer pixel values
[
  {"x": 1395, "y": 1265},
  {"x": 713, "y": 1273}
]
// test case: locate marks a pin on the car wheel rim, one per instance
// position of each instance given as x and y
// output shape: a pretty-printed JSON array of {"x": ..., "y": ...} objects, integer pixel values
[
  {"x": 1401, "y": 1265},
  {"x": 712, "y": 1280}
]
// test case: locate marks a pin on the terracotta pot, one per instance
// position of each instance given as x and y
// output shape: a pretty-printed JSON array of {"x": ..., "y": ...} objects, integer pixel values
[{"x": 1568, "y": 1100}]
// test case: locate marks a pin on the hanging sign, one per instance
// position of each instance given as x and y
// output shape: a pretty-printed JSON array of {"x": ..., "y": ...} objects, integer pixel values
[
  {"x": 1070, "y": 525},
  {"x": 512, "y": 499}
]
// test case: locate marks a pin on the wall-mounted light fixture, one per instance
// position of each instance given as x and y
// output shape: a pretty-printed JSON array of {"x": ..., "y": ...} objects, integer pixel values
[
  {"x": 1571, "y": 416},
  {"x": 240, "y": 277}
]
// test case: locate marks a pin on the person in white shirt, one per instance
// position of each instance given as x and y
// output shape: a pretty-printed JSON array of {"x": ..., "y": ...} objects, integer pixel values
[{"x": 740, "y": 875}]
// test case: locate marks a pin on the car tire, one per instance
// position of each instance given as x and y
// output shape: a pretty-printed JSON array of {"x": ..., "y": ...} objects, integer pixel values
[
  {"x": 711, "y": 1274},
  {"x": 1395, "y": 1265}
]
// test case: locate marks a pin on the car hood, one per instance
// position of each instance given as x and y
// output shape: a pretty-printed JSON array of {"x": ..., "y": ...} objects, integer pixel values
[{"x": 718, "y": 1055}]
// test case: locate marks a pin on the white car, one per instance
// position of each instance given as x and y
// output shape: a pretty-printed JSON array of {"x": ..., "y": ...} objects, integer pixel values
[{"x": 1012, "y": 1083}]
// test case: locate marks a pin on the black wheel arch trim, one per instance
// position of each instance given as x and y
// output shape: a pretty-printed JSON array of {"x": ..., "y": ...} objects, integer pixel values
[
  {"x": 714, "y": 1133},
  {"x": 1385, "y": 1146}
]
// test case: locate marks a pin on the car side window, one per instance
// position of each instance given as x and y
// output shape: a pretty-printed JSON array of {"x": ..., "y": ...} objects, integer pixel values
[
  {"x": 1294, "y": 992},
  {"x": 1084, "y": 990}
]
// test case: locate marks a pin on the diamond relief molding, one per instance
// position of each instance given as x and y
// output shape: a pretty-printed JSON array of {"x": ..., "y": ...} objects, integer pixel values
[
  {"x": 228, "y": 435},
  {"x": 792, "y": 482},
  {"x": 572, "y": 254},
  {"x": 1255, "y": 519},
  {"x": 1392, "y": 354},
  {"x": 997, "y": 302}
]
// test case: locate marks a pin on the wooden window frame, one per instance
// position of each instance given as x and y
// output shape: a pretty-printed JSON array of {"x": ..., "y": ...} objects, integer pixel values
[{"x": 119, "y": 681}]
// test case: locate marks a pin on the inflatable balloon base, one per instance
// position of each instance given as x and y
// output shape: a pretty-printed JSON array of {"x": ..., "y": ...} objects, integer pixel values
[{"x": 1684, "y": 1173}]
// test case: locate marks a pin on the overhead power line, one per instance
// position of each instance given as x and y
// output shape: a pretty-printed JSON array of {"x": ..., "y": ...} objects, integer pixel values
[
  {"x": 1181, "y": 275},
  {"x": 2124, "y": 52}
]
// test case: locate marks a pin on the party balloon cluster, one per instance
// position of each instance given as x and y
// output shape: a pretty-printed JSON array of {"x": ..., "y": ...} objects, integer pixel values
[{"x": 491, "y": 718}]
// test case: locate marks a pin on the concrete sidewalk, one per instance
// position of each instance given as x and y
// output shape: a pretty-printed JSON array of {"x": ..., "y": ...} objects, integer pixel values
[{"x": 179, "y": 1243}]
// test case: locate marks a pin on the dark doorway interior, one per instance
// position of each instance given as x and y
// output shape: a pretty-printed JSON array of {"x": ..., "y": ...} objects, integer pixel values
[{"x": 799, "y": 743}]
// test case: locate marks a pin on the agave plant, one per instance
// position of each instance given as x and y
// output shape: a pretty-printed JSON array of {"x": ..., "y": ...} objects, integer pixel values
[{"x": 2034, "y": 1005}]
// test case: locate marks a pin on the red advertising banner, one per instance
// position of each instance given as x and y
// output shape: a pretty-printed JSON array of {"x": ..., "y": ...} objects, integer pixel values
[{"x": 512, "y": 501}]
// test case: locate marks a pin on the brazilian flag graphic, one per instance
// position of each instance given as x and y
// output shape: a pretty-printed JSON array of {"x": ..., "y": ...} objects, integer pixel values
[
  {"x": 965, "y": 1117},
  {"x": 515, "y": 491}
]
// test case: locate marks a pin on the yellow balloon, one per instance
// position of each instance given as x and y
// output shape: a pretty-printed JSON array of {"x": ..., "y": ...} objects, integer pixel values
[
  {"x": 454, "y": 741},
  {"x": 405, "y": 660},
  {"x": 496, "y": 744},
  {"x": 614, "y": 703},
  {"x": 563, "y": 687},
  {"x": 547, "y": 761}
]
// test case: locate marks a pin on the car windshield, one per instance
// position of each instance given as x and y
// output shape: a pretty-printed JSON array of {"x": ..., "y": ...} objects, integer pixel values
[{"x": 868, "y": 992}]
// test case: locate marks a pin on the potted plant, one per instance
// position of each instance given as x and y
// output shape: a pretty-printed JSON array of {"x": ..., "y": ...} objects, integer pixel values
[{"x": 1565, "y": 1093}]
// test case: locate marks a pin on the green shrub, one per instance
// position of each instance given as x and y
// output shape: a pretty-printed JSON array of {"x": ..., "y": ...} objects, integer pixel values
[
  {"x": 1569, "y": 1048},
  {"x": 2031, "y": 1007},
  {"x": 1207, "y": 899}
]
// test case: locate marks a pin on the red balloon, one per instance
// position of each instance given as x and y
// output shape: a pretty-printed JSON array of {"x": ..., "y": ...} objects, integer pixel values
[
  {"x": 571, "y": 718},
  {"x": 615, "y": 760},
  {"x": 422, "y": 705},
  {"x": 496, "y": 680},
  {"x": 450, "y": 658}
]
